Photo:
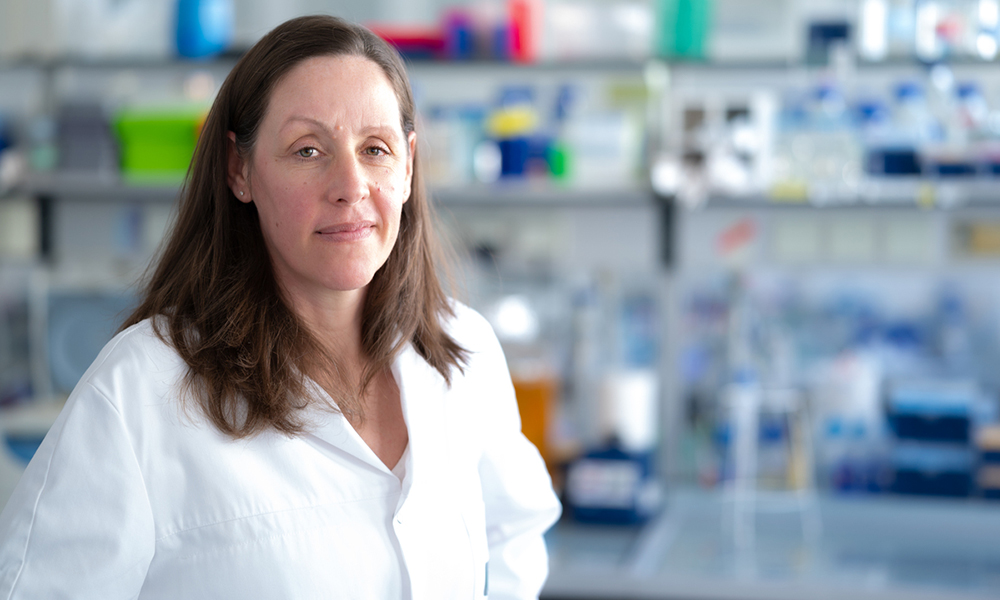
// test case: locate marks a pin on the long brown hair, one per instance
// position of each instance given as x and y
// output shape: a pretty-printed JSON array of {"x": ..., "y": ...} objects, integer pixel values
[{"x": 213, "y": 292}]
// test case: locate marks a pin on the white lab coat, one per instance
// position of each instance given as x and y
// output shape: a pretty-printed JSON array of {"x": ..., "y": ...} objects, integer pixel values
[{"x": 132, "y": 496}]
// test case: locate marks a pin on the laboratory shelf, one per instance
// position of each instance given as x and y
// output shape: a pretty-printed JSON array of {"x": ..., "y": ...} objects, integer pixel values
[
  {"x": 869, "y": 548},
  {"x": 887, "y": 193},
  {"x": 797, "y": 65},
  {"x": 229, "y": 59},
  {"x": 111, "y": 187},
  {"x": 907, "y": 193},
  {"x": 619, "y": 64},
  {"x": 541, "y": 194},
  {"x": 459, "y": 67},
  {"x": 151, "y": 61},
  {"x": 98, "y": 186}
]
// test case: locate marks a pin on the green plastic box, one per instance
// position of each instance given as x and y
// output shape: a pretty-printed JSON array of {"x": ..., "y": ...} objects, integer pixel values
[{"x": 157, "y": 144}]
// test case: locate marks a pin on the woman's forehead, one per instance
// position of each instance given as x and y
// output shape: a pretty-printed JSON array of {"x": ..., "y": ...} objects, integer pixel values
[{"x": 335, "y": 87}]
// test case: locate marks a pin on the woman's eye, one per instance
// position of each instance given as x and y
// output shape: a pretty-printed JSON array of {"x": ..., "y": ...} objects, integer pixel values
[
  {"x": 376, "y": 151},
  {"x": 308, "y": 152}
]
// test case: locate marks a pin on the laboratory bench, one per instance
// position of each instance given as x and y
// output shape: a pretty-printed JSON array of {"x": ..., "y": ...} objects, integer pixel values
[{"x": 866, "y": 548}]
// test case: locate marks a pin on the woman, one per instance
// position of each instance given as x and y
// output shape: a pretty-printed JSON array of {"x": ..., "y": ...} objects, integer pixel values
[{"x": 295, "y": 410}]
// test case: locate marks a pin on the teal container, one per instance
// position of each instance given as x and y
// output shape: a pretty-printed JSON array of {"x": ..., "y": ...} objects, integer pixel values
[{"x": 684, "y": 28}]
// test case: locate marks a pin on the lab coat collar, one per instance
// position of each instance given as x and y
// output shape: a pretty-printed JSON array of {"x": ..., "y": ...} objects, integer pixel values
[
  {"x": 333, "y": 430},
  {"x": 421, "y": 394}
]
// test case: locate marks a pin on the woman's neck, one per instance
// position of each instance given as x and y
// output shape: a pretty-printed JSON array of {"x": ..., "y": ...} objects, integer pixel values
[{"x": 334, "y": 319}]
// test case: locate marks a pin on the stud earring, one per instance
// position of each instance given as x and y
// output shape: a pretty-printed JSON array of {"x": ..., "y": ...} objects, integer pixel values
[{"x": 241, "y": 193}]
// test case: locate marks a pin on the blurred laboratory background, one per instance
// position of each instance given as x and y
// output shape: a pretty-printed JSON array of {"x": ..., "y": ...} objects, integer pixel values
[{"x": 743, "y": 257}]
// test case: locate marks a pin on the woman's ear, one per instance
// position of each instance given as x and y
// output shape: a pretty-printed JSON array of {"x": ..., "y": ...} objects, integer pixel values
[
  {"x": 411, "y": 140},
  {"x": 236, "y": 175}
]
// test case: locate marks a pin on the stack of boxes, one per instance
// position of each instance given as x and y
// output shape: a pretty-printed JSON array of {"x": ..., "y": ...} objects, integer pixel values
[{"x": 932, "y": 422}]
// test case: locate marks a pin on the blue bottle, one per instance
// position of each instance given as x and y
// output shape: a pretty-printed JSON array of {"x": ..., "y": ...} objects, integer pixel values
[{"x": 204, "y": 27}]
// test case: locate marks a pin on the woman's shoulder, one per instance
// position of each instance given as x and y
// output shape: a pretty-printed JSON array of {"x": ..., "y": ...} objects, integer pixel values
[
  {"x": 135, "y": 357},
  {"x": 468, "y": 327},
  {"x": 140, "y": 342}
]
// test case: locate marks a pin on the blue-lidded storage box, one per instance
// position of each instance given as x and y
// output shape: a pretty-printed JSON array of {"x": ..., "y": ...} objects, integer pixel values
[
  {"x": 932, "y": 469},
  {"x": 933, "y": 410}
]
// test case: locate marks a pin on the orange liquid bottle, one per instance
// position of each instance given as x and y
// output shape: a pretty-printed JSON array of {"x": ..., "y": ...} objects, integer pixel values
[{"x": 536, "y": 397}]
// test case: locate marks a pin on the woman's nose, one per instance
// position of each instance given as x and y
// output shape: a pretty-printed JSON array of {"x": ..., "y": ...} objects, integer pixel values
[{"x": 348, "y": 183}]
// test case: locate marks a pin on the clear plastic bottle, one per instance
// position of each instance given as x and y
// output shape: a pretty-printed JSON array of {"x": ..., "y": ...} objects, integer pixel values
[
  {"x": 913, "y": 117},
  {"x": 915, "y": 128},
  {"x": 972, "y": 109},
  {"x": 954, "y": 339},
  {"x": 833, "y": 454},
  {"x": 883, "y": 155},
  {"x": 972, "y": 116},
  {"x": 835, "y": 168}
]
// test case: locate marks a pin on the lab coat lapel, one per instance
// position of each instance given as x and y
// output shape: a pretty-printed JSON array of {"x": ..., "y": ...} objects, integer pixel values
[
  {"x": 421, "y": 393},
  {"x": 333, "y": 429}
]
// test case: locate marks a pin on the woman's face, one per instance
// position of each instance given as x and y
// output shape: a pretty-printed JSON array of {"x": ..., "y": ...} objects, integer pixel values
[{"x": 329, "y": 173}]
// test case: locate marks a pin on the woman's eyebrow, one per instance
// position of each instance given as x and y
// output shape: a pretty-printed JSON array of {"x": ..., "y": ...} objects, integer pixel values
[
  {"x": 369, "y": 130},
  {"x": 378, "y": 129},
  {"x": 307, "y": 120}
]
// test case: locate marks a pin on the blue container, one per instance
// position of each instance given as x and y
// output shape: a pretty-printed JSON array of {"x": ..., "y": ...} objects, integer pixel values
[
  {"x": 932, "y": 412},
  {"x": 893, "y": 161},
  {"x": 204, "y": 27},
  {"x": 514, "y": 156},
  {"x": 611, "y": 486},
  {"x": 932, "y": 469},
  {"x": 460, "y": 41},
  {"x": 949, "y": 484},
  {"x": 953, "y": 169},
  {"x": 930, "y": 427}
]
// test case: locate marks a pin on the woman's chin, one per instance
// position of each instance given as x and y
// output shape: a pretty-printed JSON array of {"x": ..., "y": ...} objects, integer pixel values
[{"x": 349, "y": 282}]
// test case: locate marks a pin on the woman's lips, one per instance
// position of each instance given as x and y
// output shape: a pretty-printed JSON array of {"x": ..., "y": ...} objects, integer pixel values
[{"x": 347, "y": 232}]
